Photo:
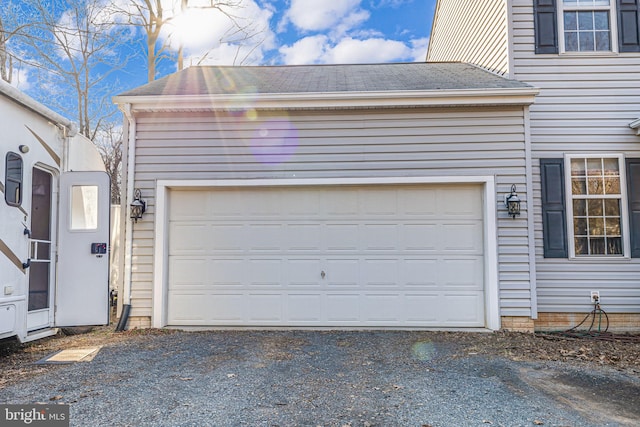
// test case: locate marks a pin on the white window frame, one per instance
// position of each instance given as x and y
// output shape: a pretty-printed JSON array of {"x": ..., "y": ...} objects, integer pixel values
[
  {"x": 624, "y": 209},
  {"x": 613, "y": 27}
]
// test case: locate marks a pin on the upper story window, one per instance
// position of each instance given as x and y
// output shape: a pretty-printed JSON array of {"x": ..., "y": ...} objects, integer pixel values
[{"x": 586, "y": 25}]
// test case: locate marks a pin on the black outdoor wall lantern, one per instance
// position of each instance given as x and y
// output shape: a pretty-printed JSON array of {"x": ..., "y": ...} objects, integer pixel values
[
  {"x": 138, "y": 206},
  {"x": 512, "y": 202}
]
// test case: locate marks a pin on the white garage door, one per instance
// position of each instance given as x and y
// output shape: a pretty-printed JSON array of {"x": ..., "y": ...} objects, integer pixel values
[{"x": 355, "y": 256}]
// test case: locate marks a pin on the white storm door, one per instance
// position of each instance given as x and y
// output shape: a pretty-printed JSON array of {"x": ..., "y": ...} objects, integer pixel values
[{"x": 82, "y": 291}]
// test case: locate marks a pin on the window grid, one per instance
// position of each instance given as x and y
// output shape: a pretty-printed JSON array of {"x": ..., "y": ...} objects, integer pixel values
[
  {"x": 596, "y": 206},
  {"x": 587, "y": 25}
]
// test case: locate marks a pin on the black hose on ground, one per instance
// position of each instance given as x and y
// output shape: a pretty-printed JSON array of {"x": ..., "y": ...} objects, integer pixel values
[{"x": 124, "y": 318}]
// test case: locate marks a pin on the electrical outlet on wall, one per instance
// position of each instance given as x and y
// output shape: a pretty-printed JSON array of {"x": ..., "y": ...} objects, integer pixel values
[{"x": 595, "y": 296}]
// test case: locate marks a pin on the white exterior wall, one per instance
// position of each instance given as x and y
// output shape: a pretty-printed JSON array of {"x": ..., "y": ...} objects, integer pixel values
[
  {"x": 481, "y": 40},
  {"x": 437, "y": 142},
  {"x": 585, "y": 105}
]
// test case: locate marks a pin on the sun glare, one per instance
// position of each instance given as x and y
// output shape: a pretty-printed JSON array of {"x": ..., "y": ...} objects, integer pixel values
[{"x": 194, "y": 28}]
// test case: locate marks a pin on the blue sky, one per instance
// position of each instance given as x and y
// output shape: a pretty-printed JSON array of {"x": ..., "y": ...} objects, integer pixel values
[
  {"x": 291, "y": 32},
  {"x": 284, "y": 32},
  {"x": 318, "y": 31}
]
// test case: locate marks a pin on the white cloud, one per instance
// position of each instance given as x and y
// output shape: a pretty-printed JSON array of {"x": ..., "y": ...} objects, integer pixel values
[
  {"x": 309, "y": 50},
  {"x": 350, "y": 51},
  {"x": 319, "y": 50},
  {"x": 318, "y": 15},
  {"x": 419, "y": 49}
]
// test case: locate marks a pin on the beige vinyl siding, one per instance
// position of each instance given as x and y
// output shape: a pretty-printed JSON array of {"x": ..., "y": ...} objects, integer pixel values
[
  {"x": 349, "y": 143},
  {"x": 585, "y": 105},
  {"x": 473, "y": 31}
]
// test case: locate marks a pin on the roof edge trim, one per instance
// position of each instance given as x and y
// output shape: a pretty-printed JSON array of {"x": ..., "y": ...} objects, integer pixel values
[{"x": 308, "y": 100}]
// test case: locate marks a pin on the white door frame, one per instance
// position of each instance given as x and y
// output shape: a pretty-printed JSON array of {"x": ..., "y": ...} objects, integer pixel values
[{"x": 161, "y": 255}]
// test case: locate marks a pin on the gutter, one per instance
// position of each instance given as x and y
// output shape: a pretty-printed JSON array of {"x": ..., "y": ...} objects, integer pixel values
[
  {"x": 315, "y": 100},
  {"x": 129, "y": 169}
]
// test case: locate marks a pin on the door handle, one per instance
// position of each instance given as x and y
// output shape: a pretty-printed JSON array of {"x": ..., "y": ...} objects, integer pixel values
[
  {"x": 323, "y": 274},
  {"x": 27, "y": 264}
]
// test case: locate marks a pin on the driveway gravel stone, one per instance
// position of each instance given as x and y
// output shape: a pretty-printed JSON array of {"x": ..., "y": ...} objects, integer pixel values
[{"x": 333, "y": 378}]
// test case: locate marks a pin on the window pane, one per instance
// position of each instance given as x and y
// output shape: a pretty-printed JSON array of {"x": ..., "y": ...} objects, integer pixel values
[
  {"x": 585, "y": 21},
  {"x": 596, "y": 226},
  {"x": 614, "y": 246},
  {"x": 571, "y": 21},
  {"x": 586, "y": 42},
  {"x": 612, "y": 185},
  {"x": 597, "y": 246},
  {"x": 611, "y": 207},
  {"x": 613, "y": 226},
  {"x": 577, "y": 167},
  {"x": 594, "y": 167},
  {"x": 580, "y": 207},
  {"x": 578, "y": 186},
  {"x": 601, "y": 20},
  {"x": 595, "y": 207},
  {"x": 571, "y": 42},
  {"x": 580, "y": 227},
  {"x": 84, "y": 207},
  {"x": 602, "y": 41},
  {"x": 581, "y": 246},
  {"x": 611, "y": 167},
  {"x": 595, "y": 186}
]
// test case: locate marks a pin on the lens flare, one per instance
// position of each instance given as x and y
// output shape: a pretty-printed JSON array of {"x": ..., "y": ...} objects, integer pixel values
[
  {"x": 423, "y": 350},
  {"x": 274, "y": 141}
]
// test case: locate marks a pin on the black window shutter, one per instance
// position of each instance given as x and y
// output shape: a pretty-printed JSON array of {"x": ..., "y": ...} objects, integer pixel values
[
  {"x": 554, "y": 224},
  {"x": 546, "y": 26},
  {"x": 633, "y": 194},
  {"x": 629, "y": 25}
]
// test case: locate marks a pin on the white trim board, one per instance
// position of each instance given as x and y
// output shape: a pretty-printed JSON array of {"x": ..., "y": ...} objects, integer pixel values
[{"x": 160, "y": 281}]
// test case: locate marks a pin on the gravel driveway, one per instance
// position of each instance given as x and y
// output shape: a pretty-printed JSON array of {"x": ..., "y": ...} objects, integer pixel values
[{"x": 305, "y": 378}]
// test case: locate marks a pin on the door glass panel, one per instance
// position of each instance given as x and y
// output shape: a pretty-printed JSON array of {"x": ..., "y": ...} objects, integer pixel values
[
  {"x": 40, "y": 270},
  {"x": 84, "y": 207}
]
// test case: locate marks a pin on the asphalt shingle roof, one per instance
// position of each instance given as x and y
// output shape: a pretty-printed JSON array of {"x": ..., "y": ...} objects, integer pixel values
[{"x": 416, "y": 76}]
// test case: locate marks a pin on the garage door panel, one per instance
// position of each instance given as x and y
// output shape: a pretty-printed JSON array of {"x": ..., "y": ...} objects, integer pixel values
[
  {"x": 188, "y": 273},
  {"x": 462, "y": 308},
  {"x": 227, "y": 272},
  {"x": 224, "y": 238},
  {"x": 459, "y": 273},
  {"x": 187, "y": 308},
  {"x": 391, "y": 256},
  {"x": 380, "y": 272},
  {"x": 382, "y": 308},
  {"x": 421, "y": 272},
  {"x": 264, "y": 272},
  {"x": 342, "y": 307},
  {"x": 342, "y": 237},
  {"x": 379, "y": 237},
  {"x": 380, "y": 203},
  {"x": 187, "y": 238},
  {"x": 422, "y": 308},
  {"x": 302, "y": 237},
  {"x": 462, "y": 237},
  {"x": 420, "y": 237},
  {"x": 305, "y": 308},
  {"x": 263, "y": 237},
  {"x": 265, "y": 308},
  {"x": 342, "y": 272},
  {"x": 303, "y": 272}
]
